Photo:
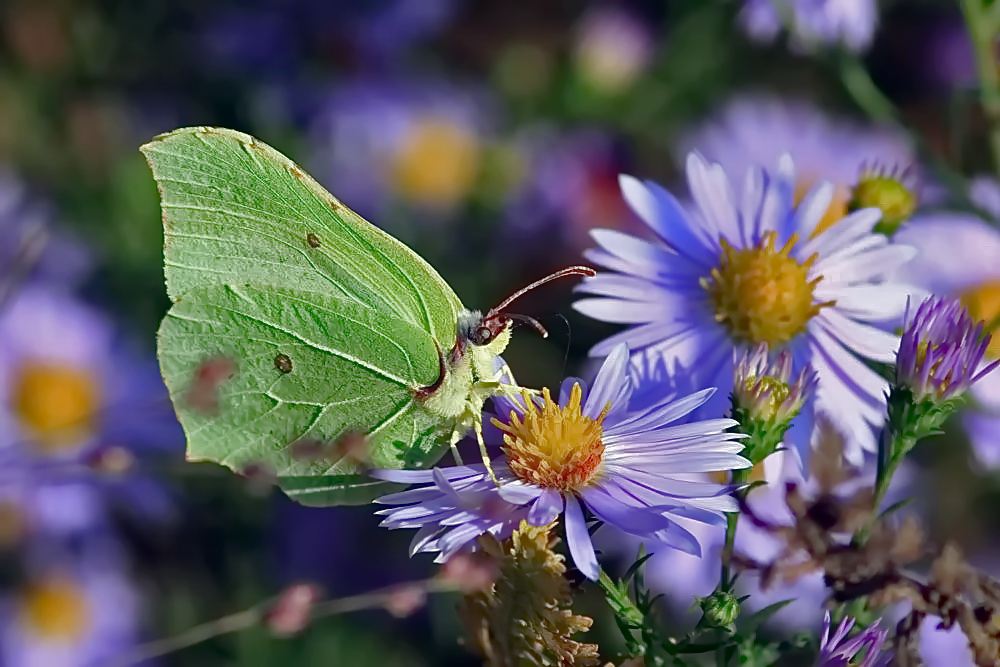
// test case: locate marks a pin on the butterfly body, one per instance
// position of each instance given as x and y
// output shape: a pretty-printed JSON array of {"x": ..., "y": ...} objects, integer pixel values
[{"x": 332, "y": 326}]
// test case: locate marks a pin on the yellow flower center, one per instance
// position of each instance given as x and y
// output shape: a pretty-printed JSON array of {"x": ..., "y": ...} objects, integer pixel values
[
  {"x": 983, "y": 303},
  {"x": 437, "y": 162},
  {"x": 887, "y": 193},
  {"x": 56, "y": 403},
  {"x": 12, "y": 526},
  {"x": 55, "y": 609},
  {"x": 835, "y": 212},
  {"x": 762, "y": 294},
  {"x": 554, "y": 447}
]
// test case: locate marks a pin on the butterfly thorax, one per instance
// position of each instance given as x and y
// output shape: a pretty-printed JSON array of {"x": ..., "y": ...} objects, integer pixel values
[{"x": 470, "y": 368}]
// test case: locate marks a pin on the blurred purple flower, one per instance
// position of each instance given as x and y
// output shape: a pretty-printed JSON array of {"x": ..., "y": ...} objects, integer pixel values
[
  {"x": 377, "y": 144},
  {"x": 631, "y": 468},
  {"x": 69, "y": 611},
  {"x": 944, "y": 647},
  {"x": 611, "y": 47},
  {"x": 757, "y": 130},
  {"x": 566, "y": 183},
  {"x": 957, "y": 257},
  {"x": 749, "y": 265},
  {"x": 836, "y": 650},
  {"x": 31, "y": 249},
  {"x": 76, "y": 409},
  {"x": 812, "y": 24}
]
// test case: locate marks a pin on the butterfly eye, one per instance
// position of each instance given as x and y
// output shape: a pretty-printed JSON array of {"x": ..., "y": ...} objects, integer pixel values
[{"x": 481, "y": 336}]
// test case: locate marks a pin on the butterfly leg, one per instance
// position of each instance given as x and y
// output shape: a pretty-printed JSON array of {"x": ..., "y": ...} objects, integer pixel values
[{"x": 477, "y": 425}]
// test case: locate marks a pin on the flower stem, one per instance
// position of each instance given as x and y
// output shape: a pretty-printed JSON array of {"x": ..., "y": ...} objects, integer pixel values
[
  {"x": 982, "y": 21},
  {"x": 740, "y": 477},
  {"x": 894, "y": 444}
]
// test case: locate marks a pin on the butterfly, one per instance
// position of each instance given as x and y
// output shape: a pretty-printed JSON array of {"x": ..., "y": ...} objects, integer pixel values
[{"x": 299, "y": 330}]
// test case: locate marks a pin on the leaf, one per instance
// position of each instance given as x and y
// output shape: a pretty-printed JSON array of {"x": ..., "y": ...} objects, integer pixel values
[
  {"x": 303, "y": 366},
  {"x": 236, "y": 211},
  {"x": 750, "y": 624}
]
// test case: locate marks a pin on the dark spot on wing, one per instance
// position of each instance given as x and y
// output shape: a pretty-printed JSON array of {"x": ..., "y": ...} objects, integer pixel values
[
  {"x": 312, "y": 240},
  {"x": 283, "y": 363}
]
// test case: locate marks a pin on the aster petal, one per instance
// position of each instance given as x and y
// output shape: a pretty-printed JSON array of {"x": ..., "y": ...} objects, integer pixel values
[
  {"x": 882, "y": 302},
  {"x": 617, "y": 311},
  {"x": 623, "y": 511},
  {"x": 710, "y": 190},
  {"x": 984, "y": 434},
  {"x": 426, "y": 476},
  {"x": 665, "y": 216},
  {"x": 682, "y": 334},
  {"x": 546, "y": 508},
  {"x": 425, "y": 539},
  {"x": 581, "y": 548},
  {"x": 611, "y": 386},
  {"x": 813, "y": 208},
  {"x": 863, "y": 339},
  {"x": 855, "y": 267},
  {"x": 664, "y": 415},
  {"x": 967, "y": 238},
  {"x": 519, "y": 492},
  {"x": 853, "y": 227},
  {"x": 677, "y": 537}
]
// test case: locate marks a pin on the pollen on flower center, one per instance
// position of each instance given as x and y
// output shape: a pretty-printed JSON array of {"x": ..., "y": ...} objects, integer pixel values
[
  {"x": 55, "y": 609},
  {"x": 554, "y": 447},
  {"x": 56, "y": 402},
  {"x": 762, "y": 294}
]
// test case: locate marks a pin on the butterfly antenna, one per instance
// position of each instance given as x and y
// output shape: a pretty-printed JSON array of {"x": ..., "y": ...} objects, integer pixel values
[
  {"x": 561, "y": 273},
  {"x": 530, "y": 321}
]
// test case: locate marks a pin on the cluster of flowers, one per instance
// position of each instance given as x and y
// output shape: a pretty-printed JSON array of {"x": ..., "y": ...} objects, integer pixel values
[
  {"x": 772, "y": 293},
  {"x": 77, "y": 413}
]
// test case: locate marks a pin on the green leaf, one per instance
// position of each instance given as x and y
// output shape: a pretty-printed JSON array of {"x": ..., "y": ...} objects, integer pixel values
[{"x": 345, "y": 368}]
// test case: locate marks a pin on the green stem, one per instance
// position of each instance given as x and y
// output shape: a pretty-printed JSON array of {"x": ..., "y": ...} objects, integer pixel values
[
  {"x": 891, "y": 454},
  {"x": 740, "y": 477},
  {"x": 857, "y": 81},
  {"x": 982, "y": 20}
]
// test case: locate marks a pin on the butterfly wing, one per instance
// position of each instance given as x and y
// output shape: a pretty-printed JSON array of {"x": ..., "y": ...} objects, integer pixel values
[
  {"x": 279, "y": 377},
  {"x": 236, "y": 211}
]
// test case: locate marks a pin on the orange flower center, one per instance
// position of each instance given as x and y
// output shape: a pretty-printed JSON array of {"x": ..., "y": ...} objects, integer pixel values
[
  {"x": 983, "y": 303},
  {"x": 56, "y": 403},
  {"x": 762, "y": 294},
  {"x": 554, "y": 447},
  {"x": 437, "y": 162},
  {"x": 55, "y": 609}
]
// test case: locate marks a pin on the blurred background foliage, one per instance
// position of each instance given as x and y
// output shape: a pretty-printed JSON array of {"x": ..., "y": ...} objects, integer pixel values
[{"x": 487, "y": 135}]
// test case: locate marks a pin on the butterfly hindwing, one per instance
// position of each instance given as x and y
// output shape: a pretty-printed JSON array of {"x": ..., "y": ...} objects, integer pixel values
[
  {"x": 277, "y": 377},
  {"x": 236, "y": 211}
]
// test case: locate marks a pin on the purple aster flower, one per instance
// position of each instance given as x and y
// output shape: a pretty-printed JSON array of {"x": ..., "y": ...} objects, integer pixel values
[
  {"x": 812, "y": 23},
  {"x": 633, "y": 469},
  {"x": 740, "y": 268},
  {"x": 940, "y": 646},
  {"x": 764, "y": 389},
  {"x": 837, "y": 650},
  {"x": 957, "y": 257},
  {"x": 941, "y": 351},
  {"x": 758, "y": 130},
  {"x": 76, "y": 408},
  {"x": 612, "y": 47},
  {"x": 79, "y": 611},
  {"x": 381, "y": 143}
]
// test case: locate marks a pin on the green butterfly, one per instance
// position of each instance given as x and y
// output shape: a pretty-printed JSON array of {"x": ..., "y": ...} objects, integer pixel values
[{"x": 297, "y": 326}]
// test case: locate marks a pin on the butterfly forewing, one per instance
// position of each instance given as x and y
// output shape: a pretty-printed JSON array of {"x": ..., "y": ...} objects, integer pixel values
[
  {"x": 293, "y": 367},
  {"x": 237, "y": 211}
]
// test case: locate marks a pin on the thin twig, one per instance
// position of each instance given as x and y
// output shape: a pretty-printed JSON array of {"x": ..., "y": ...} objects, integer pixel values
[{"x": 257, "y": 613}]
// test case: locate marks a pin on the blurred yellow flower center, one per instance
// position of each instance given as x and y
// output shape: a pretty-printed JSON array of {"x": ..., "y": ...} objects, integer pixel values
[
  {"x": 437, "y": 162},
  {"x": 55, "y": 609},
  {"x": 835, "y": 212},
  {"x": 11, "y": 523},
  {"x": 554, "y": 447},
  {"x": 762, "y": 294},
  {"x": 983, "y": 303},
  {"x": 887, "y": 193},
  {"x": 56, "y": 403}
]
